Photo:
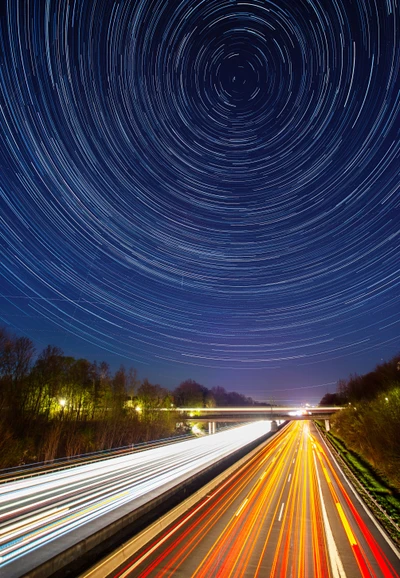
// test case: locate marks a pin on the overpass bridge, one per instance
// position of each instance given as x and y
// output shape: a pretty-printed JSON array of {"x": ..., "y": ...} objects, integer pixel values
[
  {"x": 253, "y": 413},
  {"x": 212, "y": 415}
]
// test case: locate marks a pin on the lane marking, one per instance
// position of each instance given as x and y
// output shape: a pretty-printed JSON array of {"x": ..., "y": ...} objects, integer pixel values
[
  {"x": 346, "y": 525},
  {"x": 281, "y": 512},
  {"x": 336, "y": 562},
  {"x": 290, "y": 475},
  {"x": 349, "y": 485},
  {"x": 241, "y": 507}
]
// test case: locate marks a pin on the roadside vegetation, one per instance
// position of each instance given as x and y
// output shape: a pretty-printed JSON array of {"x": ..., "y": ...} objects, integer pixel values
[
  {"x": 53, "y": 405},
  {"x": 366, "y": 436},
  {"x": 382, "y": 498},
  {"x": 369, "y": 423}
]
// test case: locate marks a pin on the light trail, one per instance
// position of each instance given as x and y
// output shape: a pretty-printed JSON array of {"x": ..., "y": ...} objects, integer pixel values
[
  {"x": 366, "y": 568},
  {"x": 40, "y": 509},
  {"x": 286, "y": 512}
]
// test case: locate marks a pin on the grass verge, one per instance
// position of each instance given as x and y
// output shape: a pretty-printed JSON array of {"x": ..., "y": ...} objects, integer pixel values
[{"x": 382, "y": 499}]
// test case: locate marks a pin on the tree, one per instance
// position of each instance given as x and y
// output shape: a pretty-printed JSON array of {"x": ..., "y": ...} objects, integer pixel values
[
  {"x": 368, "y": 386},
  {"x": 7, "y": 355},
  {"x": 238, "y": 399},
  {"x": 132, "y": 383},
  {"x": 79, "y": 391},
  {"x": 119, "y": 386},
  {"x": 103, "y": 392},
  {"x": 47, "y": 379},
  {"x": 23, "y": 355},
  {"x": 220, "y": 395},
  {"x": 190, "y": 394},
  {"x": 16, "y": 355},
  {"x": 151, "y": 396},
  {"x": 330, "y": 399}
]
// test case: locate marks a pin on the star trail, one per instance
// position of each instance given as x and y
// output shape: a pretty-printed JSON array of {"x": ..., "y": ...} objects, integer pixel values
[{"x": 203, "y": 188}]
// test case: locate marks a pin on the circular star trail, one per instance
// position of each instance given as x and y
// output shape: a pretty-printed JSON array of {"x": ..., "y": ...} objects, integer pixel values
[{"x": 213, "y": 183}]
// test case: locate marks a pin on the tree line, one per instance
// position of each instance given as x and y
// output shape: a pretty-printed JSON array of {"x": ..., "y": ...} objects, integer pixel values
[
  {"x": 370, "y": 418},
  {"x": 53, "y": 405}
]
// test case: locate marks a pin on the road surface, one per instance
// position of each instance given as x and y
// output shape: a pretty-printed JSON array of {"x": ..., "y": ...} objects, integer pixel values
[{"x": 288, "y": 512}]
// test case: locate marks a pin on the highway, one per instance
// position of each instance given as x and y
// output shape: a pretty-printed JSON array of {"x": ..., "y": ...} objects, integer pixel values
[
  {"x": 287, "y": 513},
  {"x": 44, "y": 514}
]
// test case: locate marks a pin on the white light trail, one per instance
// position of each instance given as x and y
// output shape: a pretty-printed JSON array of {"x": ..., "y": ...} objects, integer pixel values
[{"x": 40, "y": 509}]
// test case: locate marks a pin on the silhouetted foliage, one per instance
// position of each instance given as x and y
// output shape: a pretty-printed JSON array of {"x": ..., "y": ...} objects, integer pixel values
[
  {"x": 16, "y": 356},
  {"x": 58, "y": 406},
  {"x": 371, "y": 429},
  {"x": 368, "y": 386},
  {"x": 221, "y": 396},
  {"x": 153, "y": 396},
  {"x": 369, "y": 421},
  {"x": 331, "y": 399},
  {"x": 190, "y": 394}
]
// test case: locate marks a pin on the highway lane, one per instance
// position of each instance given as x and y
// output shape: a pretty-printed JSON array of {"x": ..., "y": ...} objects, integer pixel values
[
  {"x": 63, "y": 506},
  {"x": 288, "y": 512}
]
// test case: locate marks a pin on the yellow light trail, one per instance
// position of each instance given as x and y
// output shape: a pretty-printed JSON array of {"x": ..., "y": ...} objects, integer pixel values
[{"x": 272, "y": 520}]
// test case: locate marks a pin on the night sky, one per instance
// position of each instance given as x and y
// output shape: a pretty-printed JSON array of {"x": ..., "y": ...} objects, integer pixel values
[{"x": 204, "y": 189}]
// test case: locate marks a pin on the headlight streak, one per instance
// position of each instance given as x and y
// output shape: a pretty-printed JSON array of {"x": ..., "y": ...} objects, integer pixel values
[
  {"x": 71, "y": 498},
  {"x": 15, "y": 530},
  {"x": 52, "y": 483}
]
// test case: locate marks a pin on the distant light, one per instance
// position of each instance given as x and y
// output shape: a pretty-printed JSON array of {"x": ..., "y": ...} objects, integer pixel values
[
  {"x": 62, "y": 402},
  {"x": 387, "y": 399},
  {"x": 138, "y": 408}
]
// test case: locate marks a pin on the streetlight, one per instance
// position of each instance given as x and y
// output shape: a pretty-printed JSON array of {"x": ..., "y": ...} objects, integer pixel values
[{"x": 62, "y": 403}]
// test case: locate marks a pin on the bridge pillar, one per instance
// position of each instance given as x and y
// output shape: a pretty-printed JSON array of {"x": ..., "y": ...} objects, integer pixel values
[
  {"x": 274, "y": 426},
  {"x": 327, "y": 425},
  {"x": 211, "y": 427}
]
